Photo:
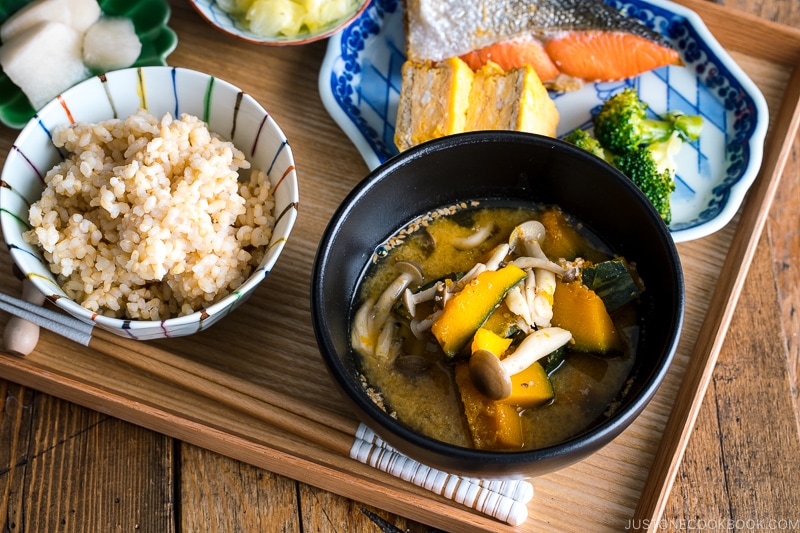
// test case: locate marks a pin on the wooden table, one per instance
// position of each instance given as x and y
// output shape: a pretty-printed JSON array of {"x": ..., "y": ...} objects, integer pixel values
[{"x": 67, "y": 467}]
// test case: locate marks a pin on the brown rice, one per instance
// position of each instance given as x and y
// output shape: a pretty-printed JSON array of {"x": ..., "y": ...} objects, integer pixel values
[{"x": 147, "y": 219}]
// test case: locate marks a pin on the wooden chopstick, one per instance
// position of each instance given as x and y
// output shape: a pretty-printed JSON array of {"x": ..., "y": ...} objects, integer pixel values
[{"x": 503, "y": 500}]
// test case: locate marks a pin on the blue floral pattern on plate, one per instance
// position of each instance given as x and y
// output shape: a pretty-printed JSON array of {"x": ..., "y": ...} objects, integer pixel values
[{"x": 359, "y": 83}]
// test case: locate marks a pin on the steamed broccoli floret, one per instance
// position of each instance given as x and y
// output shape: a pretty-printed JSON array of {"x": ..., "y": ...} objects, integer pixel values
[
  {"x": 655, "y": 181},
  {"x": 583, "y": 139},
  {"x": 687, "y": 126},
  {"x": 622, "y": 123},
  {"x": 650, "y": 167},
  {"x": 642, "y": 148}
]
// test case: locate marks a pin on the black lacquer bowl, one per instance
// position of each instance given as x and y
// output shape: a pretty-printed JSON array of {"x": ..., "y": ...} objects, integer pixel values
[{"x": 497, "y": 167}]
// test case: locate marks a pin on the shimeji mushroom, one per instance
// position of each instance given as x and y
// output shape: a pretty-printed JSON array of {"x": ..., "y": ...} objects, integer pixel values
[
  {"x": 527, "y": 236},
  {"x": 492, "y": 375},
  {"x": 493, "y": 263},
  {"x": 389, "y": 343},
  {"x": 411, "y": 298},
  {"x": 420, "y": 327},
  {"x": 546, "y": 264},
  {"x": 362, "y": 339},
  {"x": 373, "y": 315},
  {"x": 473, "y": 240},
  {"x": 572, "y": 270},
  {"x": 443, "y": 293},
  {"x": 516, "y": 303},
  {"x": 409, "y": 273},
  {"x": 498, "y": 254},
  {"x": 471, "y": 274}
]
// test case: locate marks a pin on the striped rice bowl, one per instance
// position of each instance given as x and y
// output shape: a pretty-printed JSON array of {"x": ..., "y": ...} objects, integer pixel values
[{"x": 148, "y": 217}]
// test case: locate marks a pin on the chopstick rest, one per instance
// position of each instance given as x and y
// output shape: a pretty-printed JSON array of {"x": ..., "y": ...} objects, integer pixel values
[
  {"x": 20, "y": 335},
  {"x": 450, "y": 486},
  {"x": 517, "y": 489},
  {"x": 503, "y": 500},
  {"x": 61, "y": 324}
]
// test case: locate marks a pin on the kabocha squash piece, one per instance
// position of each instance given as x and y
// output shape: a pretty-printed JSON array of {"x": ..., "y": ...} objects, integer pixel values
[
  {"x": 581, "y": 311},
  {"x": 420, "y": 302},
  {"x": 552, "y": 362},
  {"x": 502, "y": 322},
  {"x": 485, "y": 339},
  {"x": 493, "y": 425},
  {"x": 612, "y": 281},
  {"x": 561, "y": 239},
  {"x": 468, "y": 310},
  {"x": 492, "y": 375},
  {"x": 530, "y": 388}
]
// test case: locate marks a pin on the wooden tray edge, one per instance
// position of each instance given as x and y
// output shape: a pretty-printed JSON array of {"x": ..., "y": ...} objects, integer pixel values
[
  {"x": 321, "y": 468},
  {"x": 740, "y": 31},
  {"x": 755, "y": 210},
  {"x": 668, "y": 458}
]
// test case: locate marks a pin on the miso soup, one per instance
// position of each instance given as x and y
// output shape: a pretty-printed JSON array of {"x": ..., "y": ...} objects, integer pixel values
[{"x": 503, "y": 281}]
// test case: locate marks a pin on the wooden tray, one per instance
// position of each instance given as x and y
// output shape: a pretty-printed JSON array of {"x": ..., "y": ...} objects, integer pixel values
[{"x": 269, "y": 341}]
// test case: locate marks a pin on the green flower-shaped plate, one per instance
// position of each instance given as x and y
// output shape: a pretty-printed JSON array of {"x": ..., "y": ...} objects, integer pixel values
[{"x": 150, "y": 19}]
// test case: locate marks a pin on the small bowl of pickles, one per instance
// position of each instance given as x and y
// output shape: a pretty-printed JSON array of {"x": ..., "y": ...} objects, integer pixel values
[{"x": 280, "y": 22}]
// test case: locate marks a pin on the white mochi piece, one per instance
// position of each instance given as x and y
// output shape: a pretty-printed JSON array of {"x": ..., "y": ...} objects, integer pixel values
[
  {"x": 34, "y": 13},
  {"x": 84, "y": 13},
  {"x": 44, "y": 61},
  {"x": 111, "y": 43}
]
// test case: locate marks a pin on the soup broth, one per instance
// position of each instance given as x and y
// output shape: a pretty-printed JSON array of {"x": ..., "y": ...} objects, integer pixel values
[{"x": 409, "y": 374}]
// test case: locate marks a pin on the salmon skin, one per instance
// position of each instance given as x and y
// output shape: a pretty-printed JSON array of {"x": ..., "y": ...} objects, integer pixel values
[{"x": 583, "y": 39}]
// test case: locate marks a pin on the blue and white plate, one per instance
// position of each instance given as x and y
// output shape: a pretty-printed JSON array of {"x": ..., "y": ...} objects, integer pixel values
[{"x": 359, "y": 83}]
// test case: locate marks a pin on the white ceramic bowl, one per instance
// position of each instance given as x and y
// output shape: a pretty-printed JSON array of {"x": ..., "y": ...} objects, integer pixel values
[
  {"x": 234, "y": 115},
  {"x": 226, "y": 23}
]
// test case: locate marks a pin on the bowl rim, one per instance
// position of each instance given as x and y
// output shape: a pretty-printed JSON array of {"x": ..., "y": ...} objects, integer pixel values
[
  {"x": 277, "y": 243},
  {"x": 402, "y": 436},
  {"x": 252, "y": 38}
]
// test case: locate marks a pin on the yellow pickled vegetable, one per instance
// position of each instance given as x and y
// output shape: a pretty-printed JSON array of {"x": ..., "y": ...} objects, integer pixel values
[
  {"x": 235, "y": 7},
  {"x": 288, "y": 18},
  {"x": 320, "y": 13},
  {"x": 276, "y": 17}
]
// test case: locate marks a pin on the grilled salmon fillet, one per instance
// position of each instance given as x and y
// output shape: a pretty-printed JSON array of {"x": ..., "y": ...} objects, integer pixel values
[{"x": 588, "y": 40}]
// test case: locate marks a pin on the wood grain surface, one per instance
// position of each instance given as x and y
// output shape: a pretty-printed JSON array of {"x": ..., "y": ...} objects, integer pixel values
[
  {"x": 67, "y": 467},
  {"x": 740, "y": 467}
]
